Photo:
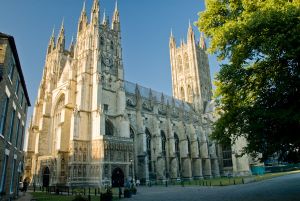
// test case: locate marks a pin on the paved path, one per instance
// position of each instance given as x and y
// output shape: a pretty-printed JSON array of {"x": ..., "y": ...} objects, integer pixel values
[
  {"x": 24, "y": 197},
  {"x": 285, "y": 188}
]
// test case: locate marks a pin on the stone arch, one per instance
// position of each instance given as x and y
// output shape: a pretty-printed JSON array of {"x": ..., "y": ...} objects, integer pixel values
[
  {"x": 109, "y": 127},
  {"x": 117, "y": 177},
  {"x": 46, "y": 176},
  {"x": 57, "y": 120}
]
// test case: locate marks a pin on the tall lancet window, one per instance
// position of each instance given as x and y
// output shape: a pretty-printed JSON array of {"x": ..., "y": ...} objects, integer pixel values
[
  {"x": 179, "y": 64},
  {"x": 109, "y": 128},
  {"x": 186, "y": 63},
  {"x": 163, "y": 143},
  {"x": 57, "y": 119},
  {"x": 188, "y": 146},
  {"x": 148, "y": 149},
  {"x": 177, "y": 151},
  {"x": 190, "y": 94},
  {"x": 182, "y": 96}
]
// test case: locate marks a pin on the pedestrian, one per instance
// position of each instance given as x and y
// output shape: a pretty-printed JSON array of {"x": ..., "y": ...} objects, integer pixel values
[{"x": 25, "y": 185}]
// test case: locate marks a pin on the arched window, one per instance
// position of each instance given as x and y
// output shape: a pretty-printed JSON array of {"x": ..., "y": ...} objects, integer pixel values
[
  {"x": 131, "y": 132},
  {"x": 189, "y": 146},
  {"x": 57, "y": 121},
  {"x": 163, "y": 142},
  {"x": 101, "y": 41},
  {"x": 182, "y": 96},
  {"x": 177, "y": 151},
  {"x": 190, "y": 94},
  {"x": 179, "y": 63},
  {"x": 109, "y": 128},
  {"x": 186, "y": 62},
  {"x": 148, "y": 147},
  {"x": 198, "y": 141},
  {"x": 176, "y": 139}
]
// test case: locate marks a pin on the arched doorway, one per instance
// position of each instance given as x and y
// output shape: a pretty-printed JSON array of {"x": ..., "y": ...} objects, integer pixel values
[
  {"x": 117, "y": 178},
  {"x": 46, "y": 177}
]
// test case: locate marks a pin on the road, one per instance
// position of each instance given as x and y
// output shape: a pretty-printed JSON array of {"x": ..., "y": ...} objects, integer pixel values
[{"x": 285, "y": 188}]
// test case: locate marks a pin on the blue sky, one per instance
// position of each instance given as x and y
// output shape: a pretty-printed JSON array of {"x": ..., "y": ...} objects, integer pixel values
[{"x": 145, "y": 31}]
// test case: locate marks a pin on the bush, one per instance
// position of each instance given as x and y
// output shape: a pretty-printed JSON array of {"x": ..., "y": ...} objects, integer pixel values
[
  {"x": 79, "y": 198},
  {"x": 107, "y": 196},
  {"x": 133, "y": 190},
  {"x": 127, "y": 193}
]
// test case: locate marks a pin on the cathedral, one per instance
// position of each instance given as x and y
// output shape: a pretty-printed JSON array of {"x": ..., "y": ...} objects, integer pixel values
[{"x": 92, "y": 127}]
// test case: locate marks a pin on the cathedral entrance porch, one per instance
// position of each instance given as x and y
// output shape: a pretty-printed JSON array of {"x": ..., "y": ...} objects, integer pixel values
[
  {"x": 46, "y": 177},
  {"x": 117, "y": 178}
]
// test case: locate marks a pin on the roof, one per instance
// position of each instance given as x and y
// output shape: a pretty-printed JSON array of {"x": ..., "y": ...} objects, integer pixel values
[{"x": 12, "y": 44}]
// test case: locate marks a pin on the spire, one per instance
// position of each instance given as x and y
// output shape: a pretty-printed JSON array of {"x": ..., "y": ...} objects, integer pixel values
[
  {"x": 82, "y": 19},
  {"x": 83, "y": 7},
  {"x": 61, "y": 37},
  {"x": 190, "y": 34},
  {"x": 116, "y": 6},
  {"x": 95, "y": 12},
  {"x": 116, "y": 18},
  {"x": 172, "y": 41},
  {"x": 104, "y": 20},
  {"x": 72, "y": 46},
  {"x": 51, "y": 44}
]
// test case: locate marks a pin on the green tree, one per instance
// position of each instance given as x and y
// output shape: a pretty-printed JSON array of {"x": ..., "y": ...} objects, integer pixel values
[{"x": 258, "y": 89}]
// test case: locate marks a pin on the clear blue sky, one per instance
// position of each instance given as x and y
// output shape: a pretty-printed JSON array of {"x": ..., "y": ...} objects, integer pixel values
[{"x": 145, "y": 30}]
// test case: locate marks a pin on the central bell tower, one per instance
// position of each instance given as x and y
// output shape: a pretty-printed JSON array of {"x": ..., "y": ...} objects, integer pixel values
[{"x": 191, "y": 80}]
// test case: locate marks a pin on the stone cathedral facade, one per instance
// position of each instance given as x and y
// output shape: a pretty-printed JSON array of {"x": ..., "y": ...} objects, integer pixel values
[{"x": 90, "y": 126}]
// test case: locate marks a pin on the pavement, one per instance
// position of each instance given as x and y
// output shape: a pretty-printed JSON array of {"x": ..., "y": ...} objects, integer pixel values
[
  {"x": 285, "y": 188},
  {"x": 24, "y": 196}
]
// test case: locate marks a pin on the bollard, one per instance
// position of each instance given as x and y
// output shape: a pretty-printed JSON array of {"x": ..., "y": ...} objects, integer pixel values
[
  {"x": 89, "y": 191},
  {"x": 95, "y": 192},
  {"x": 83, "y": 191},
  {"x": 243, "y": 181},
  {"x": 233, "y": 181}
]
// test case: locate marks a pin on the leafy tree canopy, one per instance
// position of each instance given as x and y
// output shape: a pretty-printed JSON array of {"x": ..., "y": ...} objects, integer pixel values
[{"x": 258, "y": 90}]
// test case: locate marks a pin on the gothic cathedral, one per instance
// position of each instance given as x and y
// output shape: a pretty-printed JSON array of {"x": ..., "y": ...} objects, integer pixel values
[{"x": 91, "y": 127}]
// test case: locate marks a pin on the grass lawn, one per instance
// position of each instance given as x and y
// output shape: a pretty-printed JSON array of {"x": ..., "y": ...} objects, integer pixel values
[
  {"x": 272, "y": 175},
  {"x": 43, "y": 196},
  {"x": 224, "y": 181}
]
